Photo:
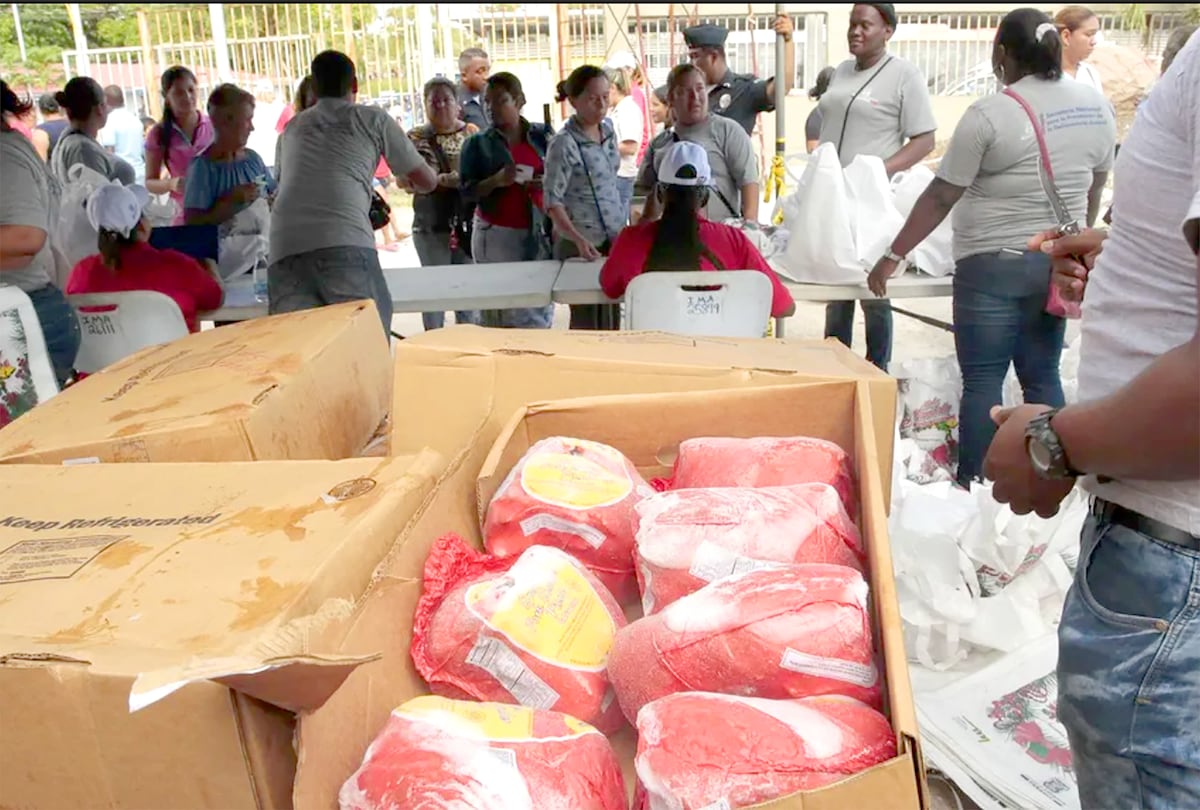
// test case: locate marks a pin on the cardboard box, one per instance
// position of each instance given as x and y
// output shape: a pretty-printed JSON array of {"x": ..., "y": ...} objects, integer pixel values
[
  {"x": 164, "y": 628},
  {"x": 308, "y": 385},
  {"x": 463, "y": 383},
  {"x": 647, "y": 428}
]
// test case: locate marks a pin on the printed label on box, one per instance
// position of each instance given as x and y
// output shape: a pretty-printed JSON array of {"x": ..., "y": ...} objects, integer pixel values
[{"x": 51, "y": 558}]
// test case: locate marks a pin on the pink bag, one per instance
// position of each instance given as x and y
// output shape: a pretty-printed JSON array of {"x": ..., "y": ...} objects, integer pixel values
[{"x": 1055, "y": 303}]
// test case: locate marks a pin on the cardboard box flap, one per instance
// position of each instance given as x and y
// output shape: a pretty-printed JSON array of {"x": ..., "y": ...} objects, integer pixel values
[
  {"x": 207, "y": 380},
  {"x": 300, "y": 683},
  {"x": 829, "y": 358},
  {"x": 179, "y": 572}
]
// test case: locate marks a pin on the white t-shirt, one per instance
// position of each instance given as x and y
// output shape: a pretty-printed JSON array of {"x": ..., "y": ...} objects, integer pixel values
[
  {"x": 627, "y": 123},
  {"x": 1141, "y": 296},
  {"x": 1086, "y": 74}
]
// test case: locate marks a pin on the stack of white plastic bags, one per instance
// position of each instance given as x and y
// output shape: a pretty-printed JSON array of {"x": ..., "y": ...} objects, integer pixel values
[
  {"x": 981, "y": 590},
  {"x": 839, "y": 222}
]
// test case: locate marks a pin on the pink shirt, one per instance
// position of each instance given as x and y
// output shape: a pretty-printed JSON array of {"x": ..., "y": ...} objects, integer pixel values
[
  {"x": 639, "y": 98},
  {"x": 731, "y": 247},
  {"x": 180, "y": 152}
]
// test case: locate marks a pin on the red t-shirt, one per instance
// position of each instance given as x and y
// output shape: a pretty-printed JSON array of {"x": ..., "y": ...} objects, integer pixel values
[
  {"x": 512, "y": 210},
  {"x": 289, "y": 112},
  {"x": 144, "y": 267},
  {"x": 728, "y": 244}
]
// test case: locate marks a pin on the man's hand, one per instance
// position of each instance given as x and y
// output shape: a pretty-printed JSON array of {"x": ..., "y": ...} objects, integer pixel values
[
  {"x": 783, "y": 25},
  {"x": 1066, "y": 253},
  {"x": 1007, "y": 465},
  {"x": 877, "y": 282}
]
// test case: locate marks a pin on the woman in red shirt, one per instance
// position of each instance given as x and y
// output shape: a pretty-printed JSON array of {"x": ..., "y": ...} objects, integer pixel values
[
  {"x": 683, "y": 240},
  {"x": 128, "y": 262}
]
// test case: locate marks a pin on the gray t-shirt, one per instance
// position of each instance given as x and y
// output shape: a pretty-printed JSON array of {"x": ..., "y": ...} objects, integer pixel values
[
  {"x": 892, "y": 108},
  {"x": 30, "y": 198},
  {"x": 994, "y": 154},
  {"x": 76, "y": 147},
  {"x": 730, "y": 155},
  {"x": 325, "y": 160}
]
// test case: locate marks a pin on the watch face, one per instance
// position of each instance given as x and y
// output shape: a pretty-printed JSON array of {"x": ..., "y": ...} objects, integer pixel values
[{"x": 1040, "y": 455}]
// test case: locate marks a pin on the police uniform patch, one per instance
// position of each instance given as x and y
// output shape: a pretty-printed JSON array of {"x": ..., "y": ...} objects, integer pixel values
[{"x": 724, "y": 101}]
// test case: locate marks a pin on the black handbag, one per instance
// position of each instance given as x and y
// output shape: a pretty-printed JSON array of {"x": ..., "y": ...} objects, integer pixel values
[{"x": 380, "y": 213}]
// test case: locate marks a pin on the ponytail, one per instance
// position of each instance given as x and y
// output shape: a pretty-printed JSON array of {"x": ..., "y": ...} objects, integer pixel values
[
  {"x": 576, "y": 84},
  {"x": 677, "y": 246},
  {"x": 110, "y": 244}
]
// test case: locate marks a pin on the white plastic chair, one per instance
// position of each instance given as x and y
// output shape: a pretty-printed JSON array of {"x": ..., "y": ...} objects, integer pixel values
[
  {"x": 21, "y": 337},
  {"x": 115, "y": 325},
  {"x": 728, "y": 303}
]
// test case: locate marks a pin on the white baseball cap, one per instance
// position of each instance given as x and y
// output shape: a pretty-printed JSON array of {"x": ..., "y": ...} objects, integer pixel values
[
  {"x": 117, "y": 208},
  {"x": 685, "y": 163},
  {"x": 622, "y": 60}
]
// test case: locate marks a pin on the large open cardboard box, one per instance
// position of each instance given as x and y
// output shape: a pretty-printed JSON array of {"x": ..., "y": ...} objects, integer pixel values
[
  {"x": 212, "y": 596},
  {"x": 647, "y": 428},
  {"x": 307, "y": 385},
  {"x": 463, "y": 383}
]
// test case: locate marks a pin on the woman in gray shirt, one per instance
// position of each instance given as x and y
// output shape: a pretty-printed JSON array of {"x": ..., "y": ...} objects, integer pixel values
[
  {"x": 28, "y": 212},
  {"x": 83, "y": 99},
  {"x": 991, "y": 177}
]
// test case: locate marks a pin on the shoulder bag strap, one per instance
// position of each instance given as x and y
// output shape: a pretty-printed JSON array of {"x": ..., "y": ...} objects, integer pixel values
[
  {"x": 853, "y": 98},
  {"x": 1046, "y": 171},
  {"x": 588, "y": 174}
]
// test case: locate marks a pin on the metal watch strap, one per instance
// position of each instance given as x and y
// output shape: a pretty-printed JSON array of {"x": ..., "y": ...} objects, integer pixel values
[{"x": 1042, "y": 431}]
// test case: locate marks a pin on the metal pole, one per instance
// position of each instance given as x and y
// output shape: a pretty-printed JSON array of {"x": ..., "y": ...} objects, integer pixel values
[
  {"x": 20, "y": 32},
  {"x": 782, "y": 85},
  {"x": 216, "y": 17},
  {"x": 82, "y": 67},
  {"x": 428, "y": 60}
]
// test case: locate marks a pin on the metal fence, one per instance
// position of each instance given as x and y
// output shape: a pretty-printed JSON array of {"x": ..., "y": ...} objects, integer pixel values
[{"x": 954, "y": 50}]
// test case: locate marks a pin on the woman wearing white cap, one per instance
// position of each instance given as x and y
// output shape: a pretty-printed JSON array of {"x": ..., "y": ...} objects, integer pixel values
[
  {"x": 127, "y": 261},
  {"x": 682, "y": 239}
]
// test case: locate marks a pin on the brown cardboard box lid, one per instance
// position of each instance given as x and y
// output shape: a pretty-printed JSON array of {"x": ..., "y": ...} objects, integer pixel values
[
  {"x": 826, "y": 358},
  {"x": 172, "y": 573},
  {"x": 213, "y": 380}
]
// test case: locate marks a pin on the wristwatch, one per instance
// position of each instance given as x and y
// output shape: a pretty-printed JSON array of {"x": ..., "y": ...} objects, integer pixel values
[
  {"x": 1045, "y": 449},
  {"x": 893, "y": 256}
]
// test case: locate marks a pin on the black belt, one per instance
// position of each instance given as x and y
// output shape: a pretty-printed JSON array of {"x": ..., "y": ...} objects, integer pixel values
[{"x": 1112, "y": 513}]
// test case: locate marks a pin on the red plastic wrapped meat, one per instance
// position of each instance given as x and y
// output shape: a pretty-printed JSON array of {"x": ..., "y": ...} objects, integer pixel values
[
  {"x": 575, "y": 495},
  {"x": 439, "y": 754},
  {"x": 790, "y": 632},
  {"x": 765, "y": 462},
  {"x": 534, "y": 630},
  {"x": 687, "y": 538},
  {"x": 698, "y": 750}
]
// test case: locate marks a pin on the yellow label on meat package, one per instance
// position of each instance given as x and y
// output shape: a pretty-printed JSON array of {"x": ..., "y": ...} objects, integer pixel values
[
  {"x": 546, "y": 607},
  {"x": 492, "y": 721},
  {"x": 571, "y": 480}
]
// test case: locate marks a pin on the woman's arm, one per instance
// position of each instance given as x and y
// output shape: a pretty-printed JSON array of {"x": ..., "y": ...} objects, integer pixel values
[
  {"x": 155, "y": 182},
  {"x": 930, "y": 209},
  {"x": 750, "y": 202},
  {"x": 19, "y": 244},
  {"x": 1099, "y": 179},
  {"x": 910, "y": 154},
  {"x": 41, "y": 142},
  {"x": 628, "y": 148}
]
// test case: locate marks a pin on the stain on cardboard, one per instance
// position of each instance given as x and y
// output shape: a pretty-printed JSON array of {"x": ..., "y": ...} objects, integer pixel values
[
  {"x": 263, "y": 395},
  {"x": 130, "y": 430},
  {"x": 217, "y": 356},
  {"x": 23, "y": 447},
  {"x": 94, "y": 624},
  {"x": 130, "y": 451},
  {"x": 265, "y": 563},
  {"x": 120, "y": 554},
  {"x": 169, "y": 402},
  {"x": 258, "y": 521},
  {"x": 268, "y": 598},
  {"x": 52, "y": 557}
]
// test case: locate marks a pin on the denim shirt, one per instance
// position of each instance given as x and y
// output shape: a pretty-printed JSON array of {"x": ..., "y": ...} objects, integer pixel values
[
  {"x": 486, "y": 153},
  {"x": 581, "y": 176}
]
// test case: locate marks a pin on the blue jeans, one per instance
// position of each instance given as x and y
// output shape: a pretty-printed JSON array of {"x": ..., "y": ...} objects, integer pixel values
[
  {"x": 625, "y": 189},
  {"x": 1129, "y": 671},
  {"x": 495, "y": 243},
  {"x": 60, "y": 328},
  {"x": 329, "y": 276},
  {"x": 1000, "y": 319},
  {"x": 877, "y": 318},
  {"x": 433, "y": 249}
]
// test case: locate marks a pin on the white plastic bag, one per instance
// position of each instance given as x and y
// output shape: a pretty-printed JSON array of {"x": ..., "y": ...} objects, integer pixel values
[
  {"x": 930, "y": 392},
  {"x": 876, "y": 221},
  {"x": 935, "y": 255},
  {"x": 244, "y": 240},
  {"x": 161, "y": 211},
  {"x": 820, "y": 219},
  {"x": 76, "y": 238}
]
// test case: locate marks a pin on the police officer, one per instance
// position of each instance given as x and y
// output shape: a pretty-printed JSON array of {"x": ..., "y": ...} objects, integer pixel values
[{"x": 736, "y": 95}]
